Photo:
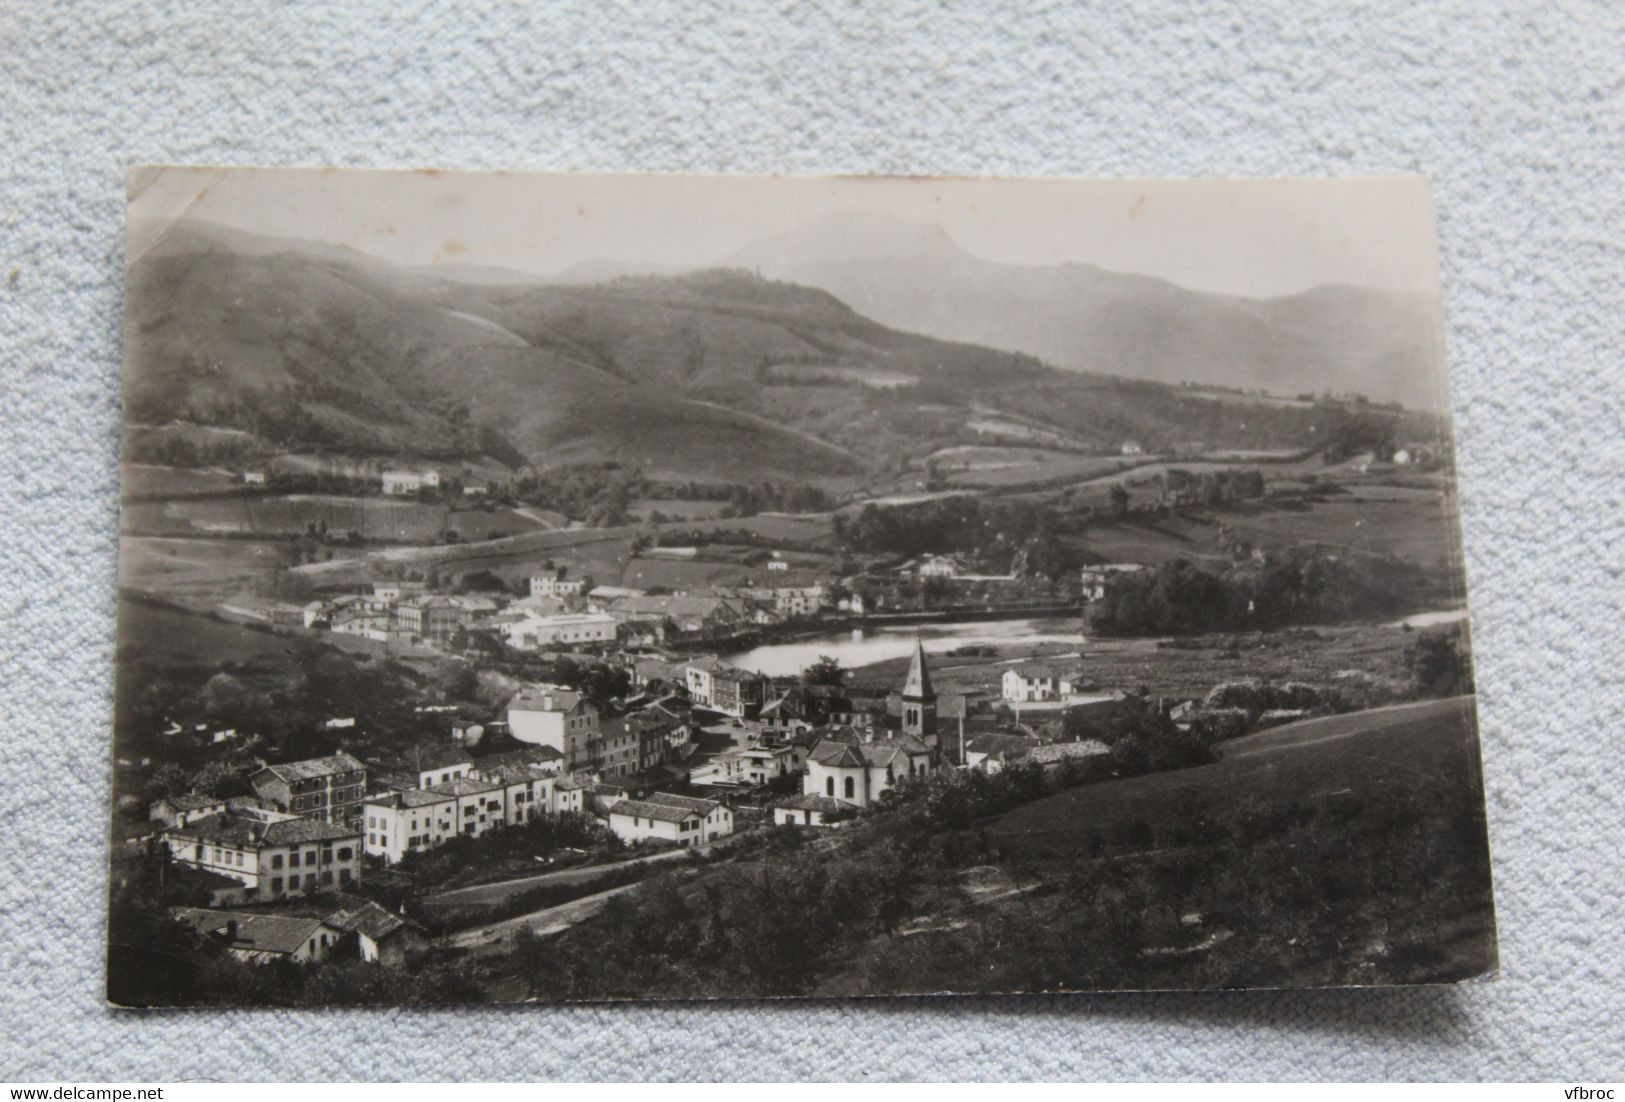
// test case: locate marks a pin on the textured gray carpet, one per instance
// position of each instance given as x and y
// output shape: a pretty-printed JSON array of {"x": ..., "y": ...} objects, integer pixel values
[{"x": 1518, "y": 113}]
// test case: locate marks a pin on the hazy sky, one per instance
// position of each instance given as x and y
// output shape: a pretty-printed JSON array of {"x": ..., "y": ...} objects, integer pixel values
[{"x": 1248, "y": 237}]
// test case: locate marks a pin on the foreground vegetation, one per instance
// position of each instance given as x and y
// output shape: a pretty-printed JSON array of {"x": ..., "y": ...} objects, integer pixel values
[{"x": 1348, "y": 850}]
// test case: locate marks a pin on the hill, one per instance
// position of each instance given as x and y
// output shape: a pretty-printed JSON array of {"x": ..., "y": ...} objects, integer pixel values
[
  {"x": 909, "y": 274},
  {"x": 318, "y": 347},
  {"x": 240, "y": 347}
]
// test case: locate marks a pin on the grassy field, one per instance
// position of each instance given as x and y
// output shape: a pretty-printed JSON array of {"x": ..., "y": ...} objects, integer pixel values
[
  {"x": 677, "y": 507},
  {"x": 374, "y": 519},
  {"x": 1415, "y": 524},
  {"x": 1342, "y": 851},
  {"x": 998, "y": 467},
  {"x": 153, "y": 631},
  {"x": 197, "y": 569},
  {"x": 1187, "y": 671},
  {"x": 146, "y": 480}
]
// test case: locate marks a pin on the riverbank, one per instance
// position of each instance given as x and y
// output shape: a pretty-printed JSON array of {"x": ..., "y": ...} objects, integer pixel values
[{"x": 1185, "y": 668}]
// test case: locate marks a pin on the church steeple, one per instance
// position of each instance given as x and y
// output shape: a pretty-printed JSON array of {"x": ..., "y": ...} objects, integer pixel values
[
  {"x": 918, "y": 685},
  {"x": 919, "y": 699}
]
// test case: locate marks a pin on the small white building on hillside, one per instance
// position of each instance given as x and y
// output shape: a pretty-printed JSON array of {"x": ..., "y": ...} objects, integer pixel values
[
  {"x": 1031, "y": 682},
  {"x": 686, "y": 820},
  {"x": 564, "y": 719}
]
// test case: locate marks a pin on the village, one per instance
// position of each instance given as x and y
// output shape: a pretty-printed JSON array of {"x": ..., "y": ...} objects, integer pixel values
[
  {"x": 781, "y": 754},
  {"x": 796, "y": 654},
  {"x": 636, "y": 731}
]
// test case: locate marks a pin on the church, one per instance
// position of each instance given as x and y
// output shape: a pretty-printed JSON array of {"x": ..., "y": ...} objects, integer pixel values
[{"x": 858, "y": 768}]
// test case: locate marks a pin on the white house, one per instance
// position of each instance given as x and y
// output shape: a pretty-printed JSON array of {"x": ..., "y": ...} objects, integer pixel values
[
  {"x": 714, "y": 684},
  {"x": 177, "y": 811},
  {"x": 938, "y": 566},
  {"x": 561, "y": 718},
  {"x": 254, "y": 478},
  {"x": 533, "y": 632},
  {"x": 804, "y": 600},
  {"x": 434, "y": 765},
  {"x": 1031, "y": 682},
  {"x": 274, "y": 855},
  {"x": 1096, "y": 577},
  {"x": 402, "y": 483},
  {"x": 1132, "y": 447},
  {"x": 553, "y": 583},
  {"x": 686, "y": 820},
  {"x": 807, "y": 810},
  {"x": 421, "y": 818},
  {"x": 382, "y": 936},
  {"x": 262, "y": 938},
  {"x": 761, "y": 764},
  {"x": 860, "y": 773},
  {"x": 992, "y": 751}
]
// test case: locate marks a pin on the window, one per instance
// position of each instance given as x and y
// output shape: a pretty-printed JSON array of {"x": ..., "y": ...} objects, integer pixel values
[
  {"x": 829, "y": 786},
  {"x": 851, "y": 788},
  {"x": 276, "y": 861},
  {"x": 467, "y": 811},
  {"x": 293, "y": 859},
  {"x": 327, "y": 876},
  {"x": 345, "y": 853},
  {"x": 276, "y": 884}
]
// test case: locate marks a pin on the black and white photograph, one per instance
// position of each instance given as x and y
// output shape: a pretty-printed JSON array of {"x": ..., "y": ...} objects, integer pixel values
[{"x": 554, "y": 588}]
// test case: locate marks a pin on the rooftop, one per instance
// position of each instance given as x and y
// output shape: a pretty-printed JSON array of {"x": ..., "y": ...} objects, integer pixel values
[
  {"x": 1061, "y": 751},
  {"x": 190, "y": 801},
  {"x": 825, "y": 804},
  {"x": 369, "y": 919},
  {"x": 997, "y": 743},
  {"x": 542, "y": 699},
  {"x": 223, "y": 828},
  {"x": 258, "y": 933},
  {"x": 312, "y": 768},
  {"x": 643, "y": 809},
  {"x": 692, "y": 803}
]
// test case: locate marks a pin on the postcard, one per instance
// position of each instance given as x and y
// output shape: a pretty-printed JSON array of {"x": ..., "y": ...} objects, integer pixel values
[{"x": 569, "y": 587}]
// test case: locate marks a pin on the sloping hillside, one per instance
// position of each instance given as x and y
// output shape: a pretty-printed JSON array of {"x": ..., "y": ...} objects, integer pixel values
[
  {"x": 909, "y": 274},
  {"x": 718, "y": 374},
  {"x": 319, "y": 348}
]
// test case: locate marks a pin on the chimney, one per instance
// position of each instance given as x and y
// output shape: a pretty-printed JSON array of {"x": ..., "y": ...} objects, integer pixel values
[{"x": 231, "y": 930}]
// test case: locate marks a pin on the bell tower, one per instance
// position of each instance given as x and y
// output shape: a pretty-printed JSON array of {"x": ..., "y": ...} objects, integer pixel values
[{"x": 919, "y": 700}]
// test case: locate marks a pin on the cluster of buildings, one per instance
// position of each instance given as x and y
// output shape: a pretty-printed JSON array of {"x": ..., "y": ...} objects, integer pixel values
[
  {"x": 400, "y": 611},
  {"x": 815, "y": 758},
  {"x": 561, "y": 612}
]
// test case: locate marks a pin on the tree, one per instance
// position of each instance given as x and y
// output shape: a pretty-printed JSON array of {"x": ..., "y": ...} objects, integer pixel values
[
  {"x": 224, "y": 696},
  {"x": 460, "y": 682},
  {"x": 1120, "y": 499},
  {"x": 826, "y": 671},
  {"x": 1440, "y": 663}
]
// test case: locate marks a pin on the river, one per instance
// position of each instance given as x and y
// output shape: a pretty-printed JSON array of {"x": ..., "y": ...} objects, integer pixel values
[{"x": 861, "y": 646}]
